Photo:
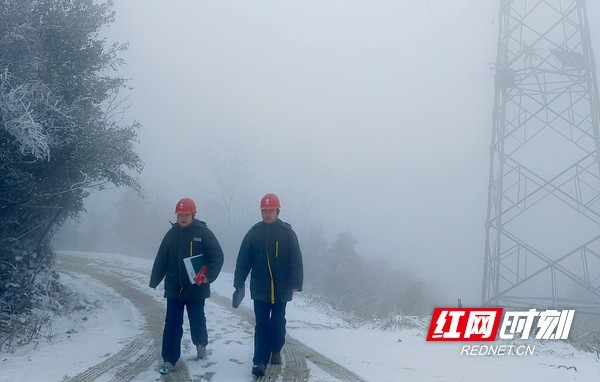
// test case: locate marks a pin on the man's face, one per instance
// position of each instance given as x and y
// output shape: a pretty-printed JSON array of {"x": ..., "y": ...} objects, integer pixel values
[
  {"x": 184, "y": 220},
  {"x": 269, "y": 216}
]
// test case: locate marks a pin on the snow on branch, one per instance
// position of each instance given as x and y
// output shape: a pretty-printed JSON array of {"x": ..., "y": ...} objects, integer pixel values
[
  {"x": 29, "y": 113},
  {"x": 86, "y": 183}
]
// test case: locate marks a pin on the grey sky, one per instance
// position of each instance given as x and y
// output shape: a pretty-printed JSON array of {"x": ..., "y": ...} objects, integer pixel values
[{"x": 379, "y": 112}]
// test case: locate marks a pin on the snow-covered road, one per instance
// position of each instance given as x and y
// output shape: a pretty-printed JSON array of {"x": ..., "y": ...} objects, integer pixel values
[
  {"x": 115, "y": 336},
  {"x": 141, "y": 355}
]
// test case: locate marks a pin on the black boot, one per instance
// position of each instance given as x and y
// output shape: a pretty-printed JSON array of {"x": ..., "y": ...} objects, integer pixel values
[{"x": 258, "y": 370}]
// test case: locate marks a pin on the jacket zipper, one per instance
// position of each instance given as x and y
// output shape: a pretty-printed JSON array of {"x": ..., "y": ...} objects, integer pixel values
[
  {"x": 180, "y": 282},
  {"x": 270, "y": 270},
  {"x": 272, "y": 283}
]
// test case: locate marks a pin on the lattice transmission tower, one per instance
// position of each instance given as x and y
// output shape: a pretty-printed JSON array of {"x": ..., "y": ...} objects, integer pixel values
[{"x": 543, "y": 219}]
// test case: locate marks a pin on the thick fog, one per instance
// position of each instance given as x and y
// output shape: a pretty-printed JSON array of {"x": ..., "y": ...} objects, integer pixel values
[{"x": 372, "y": 117}]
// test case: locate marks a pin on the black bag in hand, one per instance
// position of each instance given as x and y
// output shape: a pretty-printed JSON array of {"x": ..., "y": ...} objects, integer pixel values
[{"x": 237, "y": 298}]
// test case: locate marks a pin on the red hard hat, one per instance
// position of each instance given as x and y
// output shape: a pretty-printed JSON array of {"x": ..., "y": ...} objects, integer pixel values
[
  {"x": 269, "y": 202},
  {"x": 185, "y": 206}
]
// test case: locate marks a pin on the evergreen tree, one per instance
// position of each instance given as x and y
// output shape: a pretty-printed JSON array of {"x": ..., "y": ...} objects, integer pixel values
[{"x": 59, "y": 137}]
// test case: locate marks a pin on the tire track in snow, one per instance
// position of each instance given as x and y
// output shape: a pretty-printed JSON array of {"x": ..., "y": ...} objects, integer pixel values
[
  {"x": 294, "y": 355},
  {"x": 135, "y": 358},
  {"x": 142, "y": 353}
]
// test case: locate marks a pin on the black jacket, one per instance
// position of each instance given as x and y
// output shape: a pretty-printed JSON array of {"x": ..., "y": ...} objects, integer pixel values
[
  {"x": 181, "y": 242},
  {"x": 272, "y": 253}
]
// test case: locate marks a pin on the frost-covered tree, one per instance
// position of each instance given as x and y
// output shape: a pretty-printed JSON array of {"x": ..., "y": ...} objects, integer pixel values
[{"x": 59, "y": 135}]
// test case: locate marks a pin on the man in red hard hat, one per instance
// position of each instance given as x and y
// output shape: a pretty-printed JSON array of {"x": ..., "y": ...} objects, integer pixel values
[
  {"x": 186, "y": 238},
  {"x": 271, "y": 251}
]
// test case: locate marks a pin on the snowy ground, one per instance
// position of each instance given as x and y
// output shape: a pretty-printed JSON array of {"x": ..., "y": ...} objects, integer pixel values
[{"x": 109, "y": 322}]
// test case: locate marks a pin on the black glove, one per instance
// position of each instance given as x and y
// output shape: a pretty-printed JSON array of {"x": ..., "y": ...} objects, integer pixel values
[{"x": 238, "y": 296}]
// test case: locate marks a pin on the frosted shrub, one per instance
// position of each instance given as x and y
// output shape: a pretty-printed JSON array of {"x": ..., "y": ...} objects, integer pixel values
[{"x": 586, "y": 336}]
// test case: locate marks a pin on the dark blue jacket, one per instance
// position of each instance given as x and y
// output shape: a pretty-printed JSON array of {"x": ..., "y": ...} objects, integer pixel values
[
  {"x": 181, "y": 242},
  {"x": 271, "y": 252}
]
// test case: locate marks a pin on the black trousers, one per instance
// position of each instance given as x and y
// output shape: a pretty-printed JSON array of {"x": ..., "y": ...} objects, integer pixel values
[
  {"x": 173, "y": 331},
  {"x": 269, "y": 332}
]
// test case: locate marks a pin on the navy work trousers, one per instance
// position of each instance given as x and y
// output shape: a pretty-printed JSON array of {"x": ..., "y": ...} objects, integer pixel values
[
  {"x": 173, "y": 331},
  {"x": 269, "y": 332}
]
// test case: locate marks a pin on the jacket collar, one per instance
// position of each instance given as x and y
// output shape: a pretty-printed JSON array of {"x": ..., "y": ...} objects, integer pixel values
[{"x": 195, "y": 223}]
